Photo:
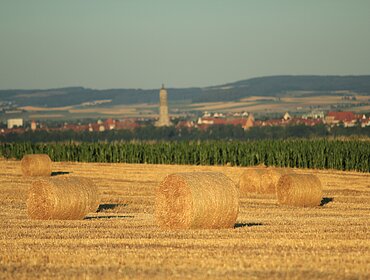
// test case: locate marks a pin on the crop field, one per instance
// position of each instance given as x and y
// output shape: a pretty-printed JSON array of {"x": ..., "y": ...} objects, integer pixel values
[
  {"x": 343, "y": 155},
  {"x": 255, "y": 104},
  {"x": 121, "y": 240}
]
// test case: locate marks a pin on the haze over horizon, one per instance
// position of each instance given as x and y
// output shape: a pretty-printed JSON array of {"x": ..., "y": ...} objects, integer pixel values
[{"x": 140, "y": 44}]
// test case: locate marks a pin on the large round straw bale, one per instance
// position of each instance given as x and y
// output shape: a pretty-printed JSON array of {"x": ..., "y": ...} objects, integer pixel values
[
  {"x": 299, "y": 190},
  {"x": 260, "y": 180},
  {"x": 36, "y": 165},
  {"x": 196, "y": 200},
  {"x": 62, "y": 198}
]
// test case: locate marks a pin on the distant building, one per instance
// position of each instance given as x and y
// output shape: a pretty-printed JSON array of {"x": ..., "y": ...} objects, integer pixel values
[
  {"x": 33, "y": 126},
  {"x": 218, "y": 115},
  {"x": 127, "y": 124},
  {"x": 245, "y": 114},
  {"x": 75, "y": 127},
  {"x": 15, "y": 123},
  {"x": 250, "y": 122},
  {"x": 286, "y": 116},
  {"x": 205, "y": 120},
  {"x": 110, "y": 124},
  {"x": 185, "y": 124},
  {"x": 365, "y": 121},
  {"x": 204, "y": 123},
  {"x": 314, "y": 115},
  {"x": 207, "y": 115},
  {"x": 347, "y": 118},
  {"x": 307, "y": 122},
  {"x": 164, "y": 119},
  {"x": 90, "y": 127}
]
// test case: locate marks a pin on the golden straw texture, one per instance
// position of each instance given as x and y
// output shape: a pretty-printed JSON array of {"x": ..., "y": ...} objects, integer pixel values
[
  {"x": 196, "y": 200},
  {"x": 299, "y": 190},
  {"x": 62, "y": 198},
  {"x": 260, "y": 180},
  {"x": 36, "y": 165}
]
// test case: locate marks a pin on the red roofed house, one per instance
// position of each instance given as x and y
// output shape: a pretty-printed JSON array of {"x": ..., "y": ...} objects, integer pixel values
[
  {"x": 307, "y": 122},
  {"x": 347, "y": 118},
  {"x": 129, "y": 124},
  {"x": 109, "y": 124},
  {"x": 365, "y": 121},
  {"x": 185, "y": 124},
  {"x": 204, "y": 123},
  {"x": 75, "y": 127},
  {"x": 95, "y": 127}
]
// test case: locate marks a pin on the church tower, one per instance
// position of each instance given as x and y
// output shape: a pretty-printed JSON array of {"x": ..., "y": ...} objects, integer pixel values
[
  {"x": 164, "y": 119},
  {"x": 250, "y": 122}
]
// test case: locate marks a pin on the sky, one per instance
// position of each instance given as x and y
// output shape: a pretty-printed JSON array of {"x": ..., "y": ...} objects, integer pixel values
[{"x": 144, "y": 43}]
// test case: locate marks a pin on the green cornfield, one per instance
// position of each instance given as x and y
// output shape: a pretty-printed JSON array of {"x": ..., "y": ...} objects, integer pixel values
[{"x": 319, "y": 154}]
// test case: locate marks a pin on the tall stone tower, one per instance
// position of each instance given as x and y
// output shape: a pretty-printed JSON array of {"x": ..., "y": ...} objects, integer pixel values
[
  {"x": 164, "y": 119},
  {"x": 250, "y": 122}
]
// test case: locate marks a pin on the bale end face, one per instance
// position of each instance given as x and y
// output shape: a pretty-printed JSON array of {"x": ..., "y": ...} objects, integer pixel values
[
  {"x": 299, "y": 190},
  {"x": 173, "y": 203},
  {"x": 196, "y": 200}
]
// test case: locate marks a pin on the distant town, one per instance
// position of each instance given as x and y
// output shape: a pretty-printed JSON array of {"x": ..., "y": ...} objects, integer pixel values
[{"x": 243, "y": 119}]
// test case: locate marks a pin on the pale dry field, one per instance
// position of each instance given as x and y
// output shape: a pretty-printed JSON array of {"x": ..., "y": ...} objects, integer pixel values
[
  {"x": 253, "y": 104},
  {"x": 45, "y": 116},
  {"x": 121, "y": 241}
]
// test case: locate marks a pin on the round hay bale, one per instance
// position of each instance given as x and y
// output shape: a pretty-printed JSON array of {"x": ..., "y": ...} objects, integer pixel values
[
  {"x": 250, "y": 180},
  {"x": 196, "y": 200},
  {"x": 270, "y": 179},
  {"x": 36, "y": 165},
  {"x": 299, "y": 190},
  {"x": 260, "y": 180},
  {"x": 62, "y": 198}
]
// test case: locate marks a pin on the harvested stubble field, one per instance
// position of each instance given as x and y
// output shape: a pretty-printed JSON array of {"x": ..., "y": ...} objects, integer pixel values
[{"x": 122, "y": 241}]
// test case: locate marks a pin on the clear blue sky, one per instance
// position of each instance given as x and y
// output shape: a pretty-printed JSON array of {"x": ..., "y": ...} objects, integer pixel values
[{"x": 142, "y": 43}]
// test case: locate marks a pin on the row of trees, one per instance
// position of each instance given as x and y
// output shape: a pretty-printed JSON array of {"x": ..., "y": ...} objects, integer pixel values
[
  {"x": 217, "y": 132},
  {"x": 333, "y": 154}
]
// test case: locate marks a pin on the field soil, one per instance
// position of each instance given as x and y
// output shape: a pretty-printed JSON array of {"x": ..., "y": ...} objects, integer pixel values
[{"x": 122, "y": 241}]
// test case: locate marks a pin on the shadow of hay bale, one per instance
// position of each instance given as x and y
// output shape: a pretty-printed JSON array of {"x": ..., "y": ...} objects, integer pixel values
[
  {"x": 110, "y": 217},
  {"x": 240, "y": 225},
  {"x": 109, "y": 206},
  {"x": 56, "y": 173},
  {"x": 326, "y": 200}
]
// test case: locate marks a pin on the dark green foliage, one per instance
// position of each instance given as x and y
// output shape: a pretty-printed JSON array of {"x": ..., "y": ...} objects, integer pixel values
[
  {"x": 216, "y": 132},
  {"x": 320, "y": 154}
]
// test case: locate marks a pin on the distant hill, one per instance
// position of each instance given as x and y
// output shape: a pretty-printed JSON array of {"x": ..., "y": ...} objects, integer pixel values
[
  {"x": 281, "y": 85},
  {"x": 265, "y": 86}
]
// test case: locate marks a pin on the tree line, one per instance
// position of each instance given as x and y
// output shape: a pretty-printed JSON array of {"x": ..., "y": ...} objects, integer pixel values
[{"x": 216, "y": 132}]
